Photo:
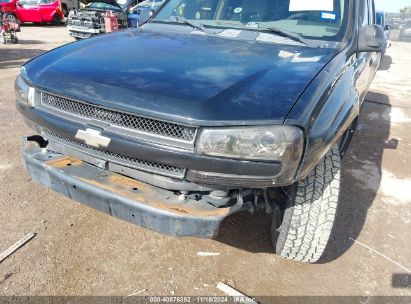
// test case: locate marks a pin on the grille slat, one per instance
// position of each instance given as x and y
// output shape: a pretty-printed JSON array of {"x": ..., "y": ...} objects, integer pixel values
[
  {"x": 125, "y": 160},
  {"x": 139, "y": 123}
]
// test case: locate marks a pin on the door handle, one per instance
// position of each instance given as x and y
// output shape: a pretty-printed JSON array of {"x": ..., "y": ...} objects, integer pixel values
[{"x": 371, "y": 62}]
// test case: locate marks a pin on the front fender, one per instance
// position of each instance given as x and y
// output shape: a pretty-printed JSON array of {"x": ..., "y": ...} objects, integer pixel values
[{"x": 326, "y": 109}]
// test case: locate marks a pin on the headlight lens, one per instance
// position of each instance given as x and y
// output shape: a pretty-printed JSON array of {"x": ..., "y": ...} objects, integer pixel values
[
  {"x": 264, "y": 143},
  {"x": 24, "y": 93},
  {"x": 278, "y": 143}
]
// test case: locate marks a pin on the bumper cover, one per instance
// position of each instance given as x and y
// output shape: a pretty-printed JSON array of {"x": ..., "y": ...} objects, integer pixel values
[{"x": 122, "y": 197}]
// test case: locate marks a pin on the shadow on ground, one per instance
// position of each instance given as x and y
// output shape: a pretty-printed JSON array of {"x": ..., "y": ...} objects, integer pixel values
[
  {"x": 30, "y": 42},
  {"x": 361, "y": 177},
  {"x": 14, "y": 57},
  {"x": 252, "y": 232},
  {"x": 43, "y": 25},
  {"x": 385, "y": 63}
]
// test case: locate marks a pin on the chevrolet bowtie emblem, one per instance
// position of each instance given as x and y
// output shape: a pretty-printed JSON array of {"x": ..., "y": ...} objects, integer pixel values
[{"x": 93, "y": 138}]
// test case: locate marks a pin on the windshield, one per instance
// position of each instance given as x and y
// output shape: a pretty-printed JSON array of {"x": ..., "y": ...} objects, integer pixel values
[
  {"x": 5, "y": 1},
  {"x": 123, "y": 3},
  {"x": 320, "y": 19},
  {"x": 151, "y": 3},
  {"x": 102, "y": 6}
]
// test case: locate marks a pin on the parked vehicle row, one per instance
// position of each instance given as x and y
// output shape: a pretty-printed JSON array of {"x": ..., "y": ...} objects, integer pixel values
[
  {"x": 89, "y": 21},
  {"x": 81, "y": 23},
  {"x": 405, "y": 33}
]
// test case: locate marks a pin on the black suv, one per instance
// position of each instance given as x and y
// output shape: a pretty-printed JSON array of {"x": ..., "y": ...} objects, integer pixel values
[{"x": 210, "y": 108}]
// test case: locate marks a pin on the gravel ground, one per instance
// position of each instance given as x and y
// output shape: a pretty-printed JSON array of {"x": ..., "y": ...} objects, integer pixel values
[{"x": 79, "y": 251}]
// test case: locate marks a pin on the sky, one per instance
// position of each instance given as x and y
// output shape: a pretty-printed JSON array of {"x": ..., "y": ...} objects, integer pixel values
[{"x": 392, "y": 6}]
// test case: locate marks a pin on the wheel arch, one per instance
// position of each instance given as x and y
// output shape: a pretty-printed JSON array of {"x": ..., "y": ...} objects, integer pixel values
[{"x": 332, "y": 104}]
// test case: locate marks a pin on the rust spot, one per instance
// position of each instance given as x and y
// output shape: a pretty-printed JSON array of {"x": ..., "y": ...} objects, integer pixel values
[
  {"x": 148, "y": 195},
  {"x": 127, "y": 182},
  {"x": 193, "y": 211},
  {"x": 181, "y": 210},
  {"x": 64, "y": 161}
]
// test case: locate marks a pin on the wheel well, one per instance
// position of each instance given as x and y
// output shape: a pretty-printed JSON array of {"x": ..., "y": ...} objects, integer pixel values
[
  {"x": 345, "y": 139},
  {"x": 65, "y": 9}
]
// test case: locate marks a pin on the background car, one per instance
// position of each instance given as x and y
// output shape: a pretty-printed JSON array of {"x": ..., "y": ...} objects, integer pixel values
[
  {"x": 36, "y": 11},
  {"x": 144, "y": 9},
  {"x": 395, "y": 23},
  {"x": 8, "y": 6},
  {"x": 405, "y": 34},
  {"x": 89, "y": 21},
  {"x": 382, "y": 21}
]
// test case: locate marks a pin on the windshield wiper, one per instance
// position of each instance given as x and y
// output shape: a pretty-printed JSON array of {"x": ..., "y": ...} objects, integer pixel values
[
  {"x": 199, "y": 27},
  {"x": 292, "y": 36}
]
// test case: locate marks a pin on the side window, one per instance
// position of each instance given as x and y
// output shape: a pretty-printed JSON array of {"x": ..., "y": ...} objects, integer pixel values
[{"x": 366, "y": 20}]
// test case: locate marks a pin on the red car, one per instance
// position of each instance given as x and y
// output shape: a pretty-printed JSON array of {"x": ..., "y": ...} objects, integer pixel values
[
  {"x": 36, "y": 11},
  {"x": 8, "y": 6}
]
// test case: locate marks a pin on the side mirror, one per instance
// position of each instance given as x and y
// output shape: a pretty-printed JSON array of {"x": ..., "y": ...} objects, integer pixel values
[
  {"x": 144, "y": 16},
  {"x": 387, "y": 27},
  {"x": 18, "y": 3},
  {"x": 371, "y": 39}
]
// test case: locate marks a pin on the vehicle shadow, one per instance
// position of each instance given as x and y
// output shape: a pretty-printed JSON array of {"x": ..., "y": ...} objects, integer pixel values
[
  {"x": 30, "y": 42},
  {"x": 14, "y": 57},
  {"x": 360, "y": 180},
  {"x": 361, "y": 174},
  {"x": 43, "y": 25},
  {"x": 385, "y": 64}
]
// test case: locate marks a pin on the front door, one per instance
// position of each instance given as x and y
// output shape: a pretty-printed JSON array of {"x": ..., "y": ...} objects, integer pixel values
[{"x": 28, "y": 11}]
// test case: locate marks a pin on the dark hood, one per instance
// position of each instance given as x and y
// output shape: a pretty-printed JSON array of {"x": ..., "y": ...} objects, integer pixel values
[{"x": 182, "y": 77}]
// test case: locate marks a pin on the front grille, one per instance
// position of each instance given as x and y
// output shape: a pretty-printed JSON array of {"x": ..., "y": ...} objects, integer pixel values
[
  {"x": 125, "y": 160},
  {"x": 86, "y": 24},
  {"x": 143, "y": 124}
]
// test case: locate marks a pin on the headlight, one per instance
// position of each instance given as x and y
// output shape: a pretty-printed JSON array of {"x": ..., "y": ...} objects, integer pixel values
[
  {"x": 278, "y": 143},
  {"x": 24, "y": 93},
  {"x": 265, "y": 143}
]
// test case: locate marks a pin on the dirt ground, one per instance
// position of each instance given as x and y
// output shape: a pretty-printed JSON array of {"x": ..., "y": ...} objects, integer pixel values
[{"x": 78, "y": 251}]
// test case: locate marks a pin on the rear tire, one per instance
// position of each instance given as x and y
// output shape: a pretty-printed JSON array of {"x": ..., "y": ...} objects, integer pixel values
[
  {"x": 302, "y": 231},
  {"x": 56, "y": 20}
]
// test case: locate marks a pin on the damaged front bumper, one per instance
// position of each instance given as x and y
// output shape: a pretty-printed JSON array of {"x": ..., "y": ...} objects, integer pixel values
[
  {"x": 123, "y": 197},
  {"x": 74, "y": 29}
]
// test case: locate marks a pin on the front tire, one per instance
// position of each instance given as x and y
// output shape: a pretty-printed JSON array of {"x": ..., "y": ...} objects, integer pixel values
[
  {"x": 307, "y": 222},
  {"x": 65, "y": 10}
]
